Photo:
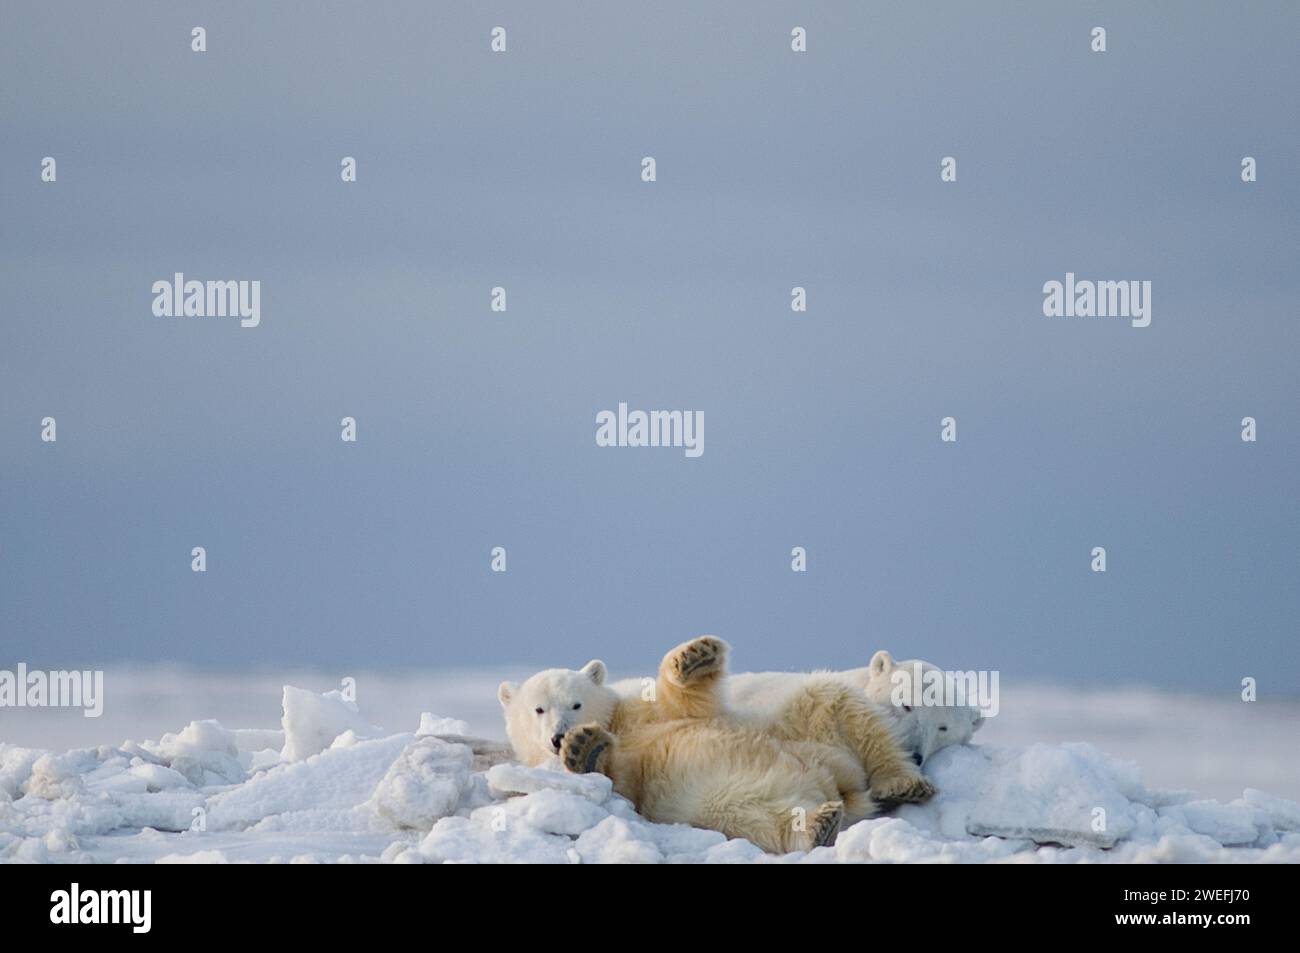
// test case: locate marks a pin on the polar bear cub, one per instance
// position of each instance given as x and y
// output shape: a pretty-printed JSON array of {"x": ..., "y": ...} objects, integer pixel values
[
  {"x": 923, "y": 730},
  {"x": 785, "y": 784}
]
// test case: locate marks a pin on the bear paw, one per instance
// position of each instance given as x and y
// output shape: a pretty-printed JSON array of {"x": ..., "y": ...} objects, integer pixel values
[
  {"x": 698, "y": 658},
  {"x": 904, "y": 789},
  {"x": 826, "y": 823},
  {"x": 585, "y": 750}
]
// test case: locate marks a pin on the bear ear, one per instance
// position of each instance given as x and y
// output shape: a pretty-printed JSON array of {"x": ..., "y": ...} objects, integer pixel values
[
  {"x": 505, "y": 692},
  {"x": 881, "y": 663},
  {"x": 594, "y": 670}
]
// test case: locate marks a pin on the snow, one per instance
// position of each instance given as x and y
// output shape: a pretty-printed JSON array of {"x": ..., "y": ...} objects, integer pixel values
[
  {"x": 330, "y": 786},
  {"x": 430, "y": 725},
  {"x": 311, "y": 722},
  {"x": 428, "y": 781},
  {"x": 321, "y": 792},
  {"x": 518, "y": 779}
]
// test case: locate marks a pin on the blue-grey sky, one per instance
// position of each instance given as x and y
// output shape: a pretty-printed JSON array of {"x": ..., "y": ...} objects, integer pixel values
[{"x": 476, "y": 429}]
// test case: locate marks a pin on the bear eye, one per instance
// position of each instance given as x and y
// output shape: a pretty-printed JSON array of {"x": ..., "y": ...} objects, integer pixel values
[
  {"x": 577, "y": 705},
  {"x": 539, "y": 711},
  {"x": 907, "y": 708},
  {"x": 943, "y": 727}
]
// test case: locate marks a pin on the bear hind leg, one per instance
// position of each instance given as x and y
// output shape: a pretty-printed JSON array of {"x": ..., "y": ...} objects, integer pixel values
[
  {"x": 824, "y": 825},
  {"x": 858, "y": 806},
  {"x": 690, "y": 677}
]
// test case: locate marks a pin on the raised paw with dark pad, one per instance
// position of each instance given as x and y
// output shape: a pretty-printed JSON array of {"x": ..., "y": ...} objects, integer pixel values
[
  {"x": 696, "y": 659},
  {"x": 584, "y": 750}
]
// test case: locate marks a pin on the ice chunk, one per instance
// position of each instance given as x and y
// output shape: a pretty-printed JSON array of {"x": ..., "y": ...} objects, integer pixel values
[
  {"x": 895, "y": 839},
  {"x": 338, "y": 779},
  {"x": 616, "y": 841},
  {"x": 428, "y": 781},
  {"x": 1282, "y": 814},
  {"x": 313, "y": 721},
  {"x": 204, "y": 753},
  {"x": 56, "y": 777},
  {"x": 548, "y": 810},
  {"x": 1228, "y": 824},
  {"x": 1064, "y": 794},
  {"x": 518, "y": 779},
  {"x": 158, "y": 778},
  {"x": 15, "y": 768},
  {"x": 429, "y": 725}
]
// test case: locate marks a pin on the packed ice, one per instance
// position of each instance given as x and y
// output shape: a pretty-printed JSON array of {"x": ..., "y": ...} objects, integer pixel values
[{"x": 328, "y": 786}]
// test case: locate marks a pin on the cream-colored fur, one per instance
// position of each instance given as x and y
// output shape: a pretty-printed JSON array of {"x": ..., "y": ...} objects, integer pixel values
[
  {"x": 785, "y": 783},
  {"x": 922, "y": 730}
]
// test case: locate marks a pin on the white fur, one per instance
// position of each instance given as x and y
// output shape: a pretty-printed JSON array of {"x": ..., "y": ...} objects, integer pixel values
[
  {"x": 929, "y": 728},
  {"x": 567, "y": 698}
]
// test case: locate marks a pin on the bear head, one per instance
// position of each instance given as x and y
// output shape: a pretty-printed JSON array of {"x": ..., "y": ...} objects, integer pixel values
[
  {"x": 923, "y": 728},
  {"x": 546, "y": 706}
]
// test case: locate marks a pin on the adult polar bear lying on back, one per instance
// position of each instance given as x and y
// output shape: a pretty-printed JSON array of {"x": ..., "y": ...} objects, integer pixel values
[
  {"x": 921, "y": 729},
  {"x": 680, "y": 757}
]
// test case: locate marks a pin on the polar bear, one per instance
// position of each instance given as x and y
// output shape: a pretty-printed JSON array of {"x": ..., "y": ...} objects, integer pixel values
[
  {"x": 923, "y": 730},
  {"x": 675, "y": 752}
]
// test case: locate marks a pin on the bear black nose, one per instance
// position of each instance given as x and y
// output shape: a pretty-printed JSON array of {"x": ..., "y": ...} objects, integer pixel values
[
  {"x": 917, "y": 759},
  {"x": 555, "y": 741}
]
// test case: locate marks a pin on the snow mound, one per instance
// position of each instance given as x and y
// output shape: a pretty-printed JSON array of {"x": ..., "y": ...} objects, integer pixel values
[
  {"x": 427, "y": 782},
  {"x": 328, "y": 786}
]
